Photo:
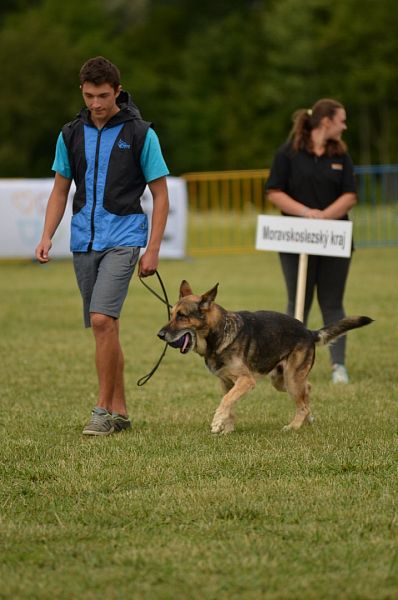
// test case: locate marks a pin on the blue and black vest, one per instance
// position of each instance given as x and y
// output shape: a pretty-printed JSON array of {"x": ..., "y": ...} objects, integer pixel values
[{"x": 109, "y": 180}]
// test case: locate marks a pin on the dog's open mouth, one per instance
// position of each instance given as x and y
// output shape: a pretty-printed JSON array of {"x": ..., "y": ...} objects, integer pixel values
[{"x": 184, "y": 343}]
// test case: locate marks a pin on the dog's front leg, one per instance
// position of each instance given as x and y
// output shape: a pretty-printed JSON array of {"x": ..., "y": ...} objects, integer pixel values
[{"x": 223, "y": 420}]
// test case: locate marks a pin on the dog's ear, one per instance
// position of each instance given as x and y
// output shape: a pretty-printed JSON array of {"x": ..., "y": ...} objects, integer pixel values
[
  {"x": 185, "y": 289},
  {"x": 207, "y": 298}
]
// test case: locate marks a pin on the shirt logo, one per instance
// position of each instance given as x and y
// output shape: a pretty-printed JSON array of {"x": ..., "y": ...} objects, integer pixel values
[
  {"x": 337, "y": 166},
  {"x": 123, "y": 145}
]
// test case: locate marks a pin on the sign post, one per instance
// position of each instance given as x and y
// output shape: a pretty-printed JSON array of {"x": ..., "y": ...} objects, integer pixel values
[
  {"x": 301, "y": 287},
  {"x": 322, "y": 237}
]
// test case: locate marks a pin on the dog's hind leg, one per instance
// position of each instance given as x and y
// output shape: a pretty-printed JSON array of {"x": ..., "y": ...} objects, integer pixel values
[
  {"x": 297, "y": 368},
  {"x": 223, "y": 420},
  {"x": 277, "y": 378},
  {"x": 303, "y": 415},
  {"x": 278, "y": 381}
]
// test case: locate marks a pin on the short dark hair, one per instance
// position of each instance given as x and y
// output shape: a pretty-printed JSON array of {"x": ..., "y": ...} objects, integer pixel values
[{"x": 100, "y": 70}]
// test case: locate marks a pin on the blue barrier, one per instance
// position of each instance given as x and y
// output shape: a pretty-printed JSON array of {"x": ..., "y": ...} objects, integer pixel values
[{"x": 375, "y": 217}]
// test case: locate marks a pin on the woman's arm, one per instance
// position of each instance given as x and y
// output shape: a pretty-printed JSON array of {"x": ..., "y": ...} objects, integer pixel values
[
  {"x": 288, "y": 205},
  {"x": 340, "y": 207}
]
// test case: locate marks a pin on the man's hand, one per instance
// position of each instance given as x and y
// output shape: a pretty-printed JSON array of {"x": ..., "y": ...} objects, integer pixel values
[
  {"x": 54, "y": 212},
  {"x": 42, "y": 250},
  {"x": 148, "y": 263}
]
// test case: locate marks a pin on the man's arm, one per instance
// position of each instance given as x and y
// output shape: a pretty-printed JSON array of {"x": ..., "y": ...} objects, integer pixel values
[
  {"x": 54, "y": 213},
  {"x": 150, "y": 259}
]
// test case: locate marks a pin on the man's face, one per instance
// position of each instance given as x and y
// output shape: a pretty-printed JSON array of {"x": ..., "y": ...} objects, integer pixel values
[{"x": 101, "y": 101}]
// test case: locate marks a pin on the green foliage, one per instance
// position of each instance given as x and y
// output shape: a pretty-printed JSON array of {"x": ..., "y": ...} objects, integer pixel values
[
  {"x": 220, "y": 80},
  {"x": 168, "y": 510}
]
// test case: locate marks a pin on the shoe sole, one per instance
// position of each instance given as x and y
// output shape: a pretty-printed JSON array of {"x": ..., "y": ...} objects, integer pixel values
[{"x": 85, "y": 432}]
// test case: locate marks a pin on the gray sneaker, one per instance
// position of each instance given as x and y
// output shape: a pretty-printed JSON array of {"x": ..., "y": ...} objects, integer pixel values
[
  {"x": 120, "y": 423},
  {"x": 101, "y": 423}
]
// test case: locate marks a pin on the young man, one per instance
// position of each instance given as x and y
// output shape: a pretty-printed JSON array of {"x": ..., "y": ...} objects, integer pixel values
[{"x": 111, "y": 154}]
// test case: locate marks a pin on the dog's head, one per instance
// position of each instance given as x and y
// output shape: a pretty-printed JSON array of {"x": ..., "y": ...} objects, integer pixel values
[{"x": 190, "y": 320}]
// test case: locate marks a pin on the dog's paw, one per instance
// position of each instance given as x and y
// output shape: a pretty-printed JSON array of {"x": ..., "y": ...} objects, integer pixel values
[
  {"x": 222, "y": 423},
  {"x": 310, "y": 419},
  {"x": 287, "y": 428},
  {"x": 223, "y": 428},
  {"x": 292, "y": 427}
]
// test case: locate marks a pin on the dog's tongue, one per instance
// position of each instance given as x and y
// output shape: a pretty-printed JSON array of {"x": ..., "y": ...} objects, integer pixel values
[{"x": 185, "y": 343}]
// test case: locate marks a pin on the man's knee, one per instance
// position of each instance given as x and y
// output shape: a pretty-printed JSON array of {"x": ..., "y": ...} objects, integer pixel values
[{"x": 102, "y": 323}]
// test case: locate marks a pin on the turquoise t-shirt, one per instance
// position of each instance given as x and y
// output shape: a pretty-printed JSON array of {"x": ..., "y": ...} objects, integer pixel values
[{"x": 152, "y": 162}]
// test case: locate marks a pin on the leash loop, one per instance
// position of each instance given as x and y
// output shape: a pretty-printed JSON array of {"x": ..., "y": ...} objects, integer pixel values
[{"x": 165, "y": 301}]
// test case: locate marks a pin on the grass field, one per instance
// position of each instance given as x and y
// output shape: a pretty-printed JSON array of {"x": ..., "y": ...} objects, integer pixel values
[{"x": 169, "y": 511}]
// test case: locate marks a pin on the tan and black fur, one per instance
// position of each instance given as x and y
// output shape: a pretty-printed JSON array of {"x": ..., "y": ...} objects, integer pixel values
[{"x": 240, "y": 347}]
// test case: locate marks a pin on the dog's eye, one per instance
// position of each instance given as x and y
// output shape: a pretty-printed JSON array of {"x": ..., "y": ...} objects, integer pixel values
[{"x": 180, "y": 316}]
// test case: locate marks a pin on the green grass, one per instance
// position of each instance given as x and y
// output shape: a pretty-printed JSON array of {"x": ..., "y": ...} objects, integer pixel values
[{"x": 169, "y": 511}]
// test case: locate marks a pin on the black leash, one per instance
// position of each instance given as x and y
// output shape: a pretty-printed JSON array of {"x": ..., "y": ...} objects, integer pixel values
[{"x": 165, "y": 301}]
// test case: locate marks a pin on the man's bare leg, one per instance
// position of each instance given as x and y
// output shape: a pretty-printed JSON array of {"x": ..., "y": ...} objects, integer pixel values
[
  {"x": 119, "y": 397},
  {"x": 110, "y": 363}
]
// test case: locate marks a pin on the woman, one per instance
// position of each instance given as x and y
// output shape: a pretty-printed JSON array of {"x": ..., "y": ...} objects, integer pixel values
[{"x": 312, "y": 176}]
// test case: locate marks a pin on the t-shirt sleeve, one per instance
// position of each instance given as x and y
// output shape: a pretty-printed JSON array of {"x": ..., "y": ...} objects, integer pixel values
[
  {"x": 152, "y": 162},
  {"x": 279, "y": 175},
  {"x": 61, "y": 163},
  {"x": 349, "y": 183}
]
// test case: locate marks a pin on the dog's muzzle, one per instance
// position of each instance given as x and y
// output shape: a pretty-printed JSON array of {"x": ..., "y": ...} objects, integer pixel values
[{"x": 182, "y": 340}]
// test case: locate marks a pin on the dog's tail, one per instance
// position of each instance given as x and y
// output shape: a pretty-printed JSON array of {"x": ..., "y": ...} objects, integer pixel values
[{"x": 332, "y": 332}]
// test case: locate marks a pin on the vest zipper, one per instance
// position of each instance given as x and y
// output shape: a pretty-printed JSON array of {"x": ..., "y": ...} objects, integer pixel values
[{"x": 94, "y": 190}]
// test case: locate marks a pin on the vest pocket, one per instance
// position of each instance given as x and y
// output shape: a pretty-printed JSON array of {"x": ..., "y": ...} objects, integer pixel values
[
  {"x": 125, "y": 204},
  {"x": 79, "y": 201}
]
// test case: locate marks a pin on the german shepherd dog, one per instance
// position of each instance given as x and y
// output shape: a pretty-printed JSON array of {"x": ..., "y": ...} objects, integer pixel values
[{"x": 240, "y": 347}]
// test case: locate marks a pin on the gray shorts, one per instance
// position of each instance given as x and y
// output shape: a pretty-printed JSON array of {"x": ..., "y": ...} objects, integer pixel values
[{"x": 103, "y": 279}]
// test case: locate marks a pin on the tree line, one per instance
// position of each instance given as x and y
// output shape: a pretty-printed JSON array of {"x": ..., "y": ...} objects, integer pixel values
[{"x": 219, "y": 80}]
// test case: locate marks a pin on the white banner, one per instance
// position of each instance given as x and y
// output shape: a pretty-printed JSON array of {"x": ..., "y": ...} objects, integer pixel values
[
  {"x": 23, "y": 204},
  {"x": 173, "y": 243},
  {"x": 22, "y": 208},
  {"x": 324, "y": 237}
]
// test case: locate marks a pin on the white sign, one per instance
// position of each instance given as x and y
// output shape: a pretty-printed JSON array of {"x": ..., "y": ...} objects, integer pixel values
[
  {"x": 22, "y": 208},
  {"x": 23, "y": 205},
  {"x": 173, "y": 243},
  {"x": 324, "y": 237}
]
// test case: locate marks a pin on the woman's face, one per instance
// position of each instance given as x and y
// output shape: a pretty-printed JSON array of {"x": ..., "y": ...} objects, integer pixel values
[{"x": 336, "y": 125}]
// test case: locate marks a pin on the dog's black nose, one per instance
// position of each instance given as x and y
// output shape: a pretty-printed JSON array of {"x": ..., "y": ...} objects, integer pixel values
[{"x": 161, "y": 334}]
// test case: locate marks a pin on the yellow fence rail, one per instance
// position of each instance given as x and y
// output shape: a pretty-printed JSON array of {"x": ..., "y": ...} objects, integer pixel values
[{"x": 223, "y": 209}]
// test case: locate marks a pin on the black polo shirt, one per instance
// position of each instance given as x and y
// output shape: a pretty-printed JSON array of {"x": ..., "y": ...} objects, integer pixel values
[{"x": 315, "y": 181}]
